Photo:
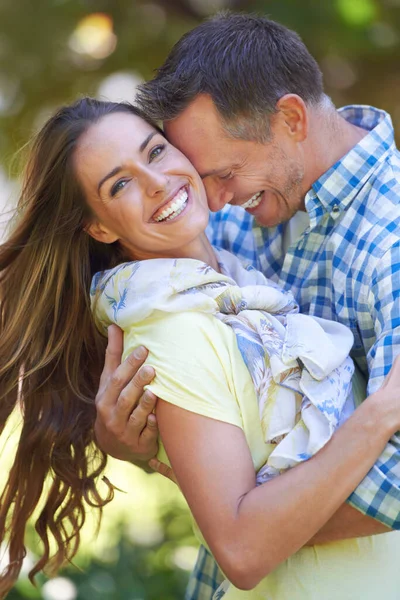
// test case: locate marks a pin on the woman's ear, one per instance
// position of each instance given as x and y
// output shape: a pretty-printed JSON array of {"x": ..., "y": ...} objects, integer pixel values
[{"x": 100, "y": 233}]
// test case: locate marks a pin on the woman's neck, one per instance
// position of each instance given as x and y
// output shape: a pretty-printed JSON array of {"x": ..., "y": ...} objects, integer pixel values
[
  {"x": 198, "y": 249},
  {"x": 201, "y": 249}
]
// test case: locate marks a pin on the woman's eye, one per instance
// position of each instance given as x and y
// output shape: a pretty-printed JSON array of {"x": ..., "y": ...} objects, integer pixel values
[
  {"x": 228, "y": 176},
  {"x": 156, "y": 151},
  {"x": 118, "y": 186}
]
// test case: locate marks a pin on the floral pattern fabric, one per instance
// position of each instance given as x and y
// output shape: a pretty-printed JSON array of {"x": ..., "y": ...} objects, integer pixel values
[{"x": 299, "y": 364}]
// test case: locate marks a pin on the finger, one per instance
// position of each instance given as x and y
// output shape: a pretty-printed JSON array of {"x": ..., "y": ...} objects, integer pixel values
[
  {"x": 124, "y": 375},
  {"x": 394, "y": 372},
  {"x": 396, "y": 365},
  {"x": 133, "y": 392},
  {"x": 149, "y": 435},
  {"x": 113, "y": 352},
  {"x": 139, "y": 416},
  {"x": 163, "y": 469}
]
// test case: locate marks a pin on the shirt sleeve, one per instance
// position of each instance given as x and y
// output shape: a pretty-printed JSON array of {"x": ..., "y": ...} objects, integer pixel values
[
  {"x": 378, "y": 495},
  {"x": 190, "y": 353}
]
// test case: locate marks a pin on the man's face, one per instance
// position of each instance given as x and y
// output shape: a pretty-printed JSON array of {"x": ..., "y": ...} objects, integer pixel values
[{"x": 266, "y": 179}]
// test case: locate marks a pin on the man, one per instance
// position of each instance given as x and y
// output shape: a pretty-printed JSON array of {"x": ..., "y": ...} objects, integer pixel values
[{"x": 242, "y": 97}]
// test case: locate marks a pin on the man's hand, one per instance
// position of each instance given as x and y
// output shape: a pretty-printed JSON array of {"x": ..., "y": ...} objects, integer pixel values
[
  {"x": 126, "y": 427},
  {"x": 162, "y": 469}
]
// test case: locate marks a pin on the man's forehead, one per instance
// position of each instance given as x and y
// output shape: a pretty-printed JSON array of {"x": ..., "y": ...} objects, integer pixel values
[
  {"x": 208, "y": 150},
  {"x": 200, "y": 115},
  {"x": 182, "y": 130}
]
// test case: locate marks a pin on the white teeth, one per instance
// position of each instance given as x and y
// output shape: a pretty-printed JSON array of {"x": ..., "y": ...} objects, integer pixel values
[
  {"x": 175, "y": 207},
  {"x": 253, "y": 202}
]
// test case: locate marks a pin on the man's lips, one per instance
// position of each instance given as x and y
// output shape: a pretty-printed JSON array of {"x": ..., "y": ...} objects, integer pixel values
[{"x": 254, "y": 201}]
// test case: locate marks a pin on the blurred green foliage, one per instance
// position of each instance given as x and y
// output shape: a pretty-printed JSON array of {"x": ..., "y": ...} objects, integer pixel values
[
  {"x": 42, "y": 66},
  {"x": 127, "y": 570},
  {"x": 355, "y": 41},
  {"x": 144, "y": 551}
]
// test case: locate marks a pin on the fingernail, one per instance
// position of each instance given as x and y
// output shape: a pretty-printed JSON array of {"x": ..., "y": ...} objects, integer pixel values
[
  {"x": 140, "y": 352},
  {"x": 147, "y": 372}
]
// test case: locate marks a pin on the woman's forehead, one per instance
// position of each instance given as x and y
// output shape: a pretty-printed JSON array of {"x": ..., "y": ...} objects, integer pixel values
[
  {"x": 116, "y": 138},
  {"x": 116, "y": 126}
]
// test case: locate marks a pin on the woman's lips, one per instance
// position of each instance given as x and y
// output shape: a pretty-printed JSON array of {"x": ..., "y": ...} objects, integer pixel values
[{"x": 174, "y": 207}]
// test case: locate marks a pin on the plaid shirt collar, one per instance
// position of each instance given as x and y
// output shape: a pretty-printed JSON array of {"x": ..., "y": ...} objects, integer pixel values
[{"x": 334, "y": 191}]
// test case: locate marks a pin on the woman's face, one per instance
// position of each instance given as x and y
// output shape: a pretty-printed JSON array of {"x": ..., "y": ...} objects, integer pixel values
[{"x": 142, "y": 191}]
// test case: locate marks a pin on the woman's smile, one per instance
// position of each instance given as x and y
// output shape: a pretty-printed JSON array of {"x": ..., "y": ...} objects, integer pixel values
[
  {"x": 173, "y": 207},
  {"x": 135, "y": 182}
]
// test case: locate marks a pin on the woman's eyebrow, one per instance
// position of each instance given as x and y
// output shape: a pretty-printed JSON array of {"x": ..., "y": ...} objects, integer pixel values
[
  {"x": 118, "y": 169},
  {"x": 147, "y": 140},
  {"x": 110, "y": 174}
]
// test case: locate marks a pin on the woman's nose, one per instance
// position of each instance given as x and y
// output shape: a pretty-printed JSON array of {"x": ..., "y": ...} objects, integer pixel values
[
  {"x": 155, "y": 181},
  {"x": 217, "y": 194}
]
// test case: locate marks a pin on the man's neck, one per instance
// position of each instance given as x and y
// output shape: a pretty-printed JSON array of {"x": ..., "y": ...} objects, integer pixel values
[{"x": 331, "y": 137}]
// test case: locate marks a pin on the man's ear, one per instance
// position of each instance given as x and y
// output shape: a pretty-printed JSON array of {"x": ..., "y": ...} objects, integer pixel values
[
  {"x": 294, "y": 116},
  {"x": 100, "y": 233}
]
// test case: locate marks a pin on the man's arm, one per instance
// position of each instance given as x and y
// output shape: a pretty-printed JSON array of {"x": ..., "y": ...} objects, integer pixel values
[
  {"x": 378, "y": 495},
  {"x": 347, "y": 522},
  {"x": 125, "y": 426},
  {"x": 374, "y": 506}
]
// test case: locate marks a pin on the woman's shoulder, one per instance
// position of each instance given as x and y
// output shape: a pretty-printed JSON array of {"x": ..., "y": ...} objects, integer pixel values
[
  {"x": 189, "y": 329},
  {"x": 193, "y": 357},
  {"x": 103, "y": 279}
]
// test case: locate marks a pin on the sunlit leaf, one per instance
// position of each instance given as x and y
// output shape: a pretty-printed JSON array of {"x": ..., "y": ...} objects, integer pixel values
[{"x": 357, "y": 12}]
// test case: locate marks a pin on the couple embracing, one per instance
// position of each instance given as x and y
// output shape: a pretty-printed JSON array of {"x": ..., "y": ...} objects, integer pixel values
[{"x": 289, "y": 464}]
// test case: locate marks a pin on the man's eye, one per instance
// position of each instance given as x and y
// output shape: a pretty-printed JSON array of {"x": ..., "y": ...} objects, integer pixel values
[
  {"x": 227, "y": 176},
  {"x": 118, "y": 186},
  {"x": 156, "y": 151}
]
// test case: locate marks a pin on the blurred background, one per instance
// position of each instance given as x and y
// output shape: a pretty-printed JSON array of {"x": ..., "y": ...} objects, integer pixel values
[{"x": 55, "y": 50}]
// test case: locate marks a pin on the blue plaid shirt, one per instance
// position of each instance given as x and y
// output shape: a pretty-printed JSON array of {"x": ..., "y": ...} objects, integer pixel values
[{"x": 345, "y": 267}]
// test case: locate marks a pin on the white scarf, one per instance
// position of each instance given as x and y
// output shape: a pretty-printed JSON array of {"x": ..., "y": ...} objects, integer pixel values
[{"x": 299, "y": 364}]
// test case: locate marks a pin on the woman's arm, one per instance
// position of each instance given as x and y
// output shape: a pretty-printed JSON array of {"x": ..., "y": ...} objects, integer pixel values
[{"x": 252, "y": 530}]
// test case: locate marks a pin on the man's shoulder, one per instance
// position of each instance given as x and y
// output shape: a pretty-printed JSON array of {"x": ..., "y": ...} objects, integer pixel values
[
  {"x": 382, "y": 190},
  {"x": 370, "y": 229}
]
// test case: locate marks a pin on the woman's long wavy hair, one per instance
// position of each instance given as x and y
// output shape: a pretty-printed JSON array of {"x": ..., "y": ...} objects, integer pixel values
[{"x": 51, "y": 354}]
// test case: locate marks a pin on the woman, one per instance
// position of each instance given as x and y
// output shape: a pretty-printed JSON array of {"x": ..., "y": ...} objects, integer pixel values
[{"x": 94, "y": 196}]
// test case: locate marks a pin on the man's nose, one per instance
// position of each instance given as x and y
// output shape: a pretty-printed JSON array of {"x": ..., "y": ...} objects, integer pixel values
[{"x": 217, "y": 195}]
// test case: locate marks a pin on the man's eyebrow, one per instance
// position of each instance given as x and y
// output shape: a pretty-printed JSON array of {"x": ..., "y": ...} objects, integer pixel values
[
  {"x": 213, "y": 172},
  {"x": 119, "y": 168}
]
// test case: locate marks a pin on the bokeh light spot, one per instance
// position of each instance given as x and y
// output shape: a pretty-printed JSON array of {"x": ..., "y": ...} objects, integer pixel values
[
  {"x": 119, "y": 86},
  {"x": 59, "y": 588},
  {"x": 357, "y": 12},
  {"x": 94, "y": 36}
]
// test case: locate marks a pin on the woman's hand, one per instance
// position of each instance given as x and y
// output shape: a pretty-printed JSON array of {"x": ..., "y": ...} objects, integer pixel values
[{"x": 126, "y": 427}]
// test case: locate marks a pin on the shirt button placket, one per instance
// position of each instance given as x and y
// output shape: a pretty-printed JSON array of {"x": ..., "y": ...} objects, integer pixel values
[{"x": 335, "y": 210}]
